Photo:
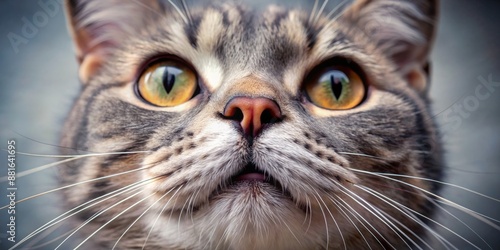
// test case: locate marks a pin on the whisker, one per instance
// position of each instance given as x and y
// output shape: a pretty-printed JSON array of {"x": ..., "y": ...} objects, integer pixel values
[
  {"x": 190, "y": 210},
  {"x": 458, "y": 219},
  {"x": 79, "y": 155},
  {"x": 328, "y": 17},
  {"x": 139, "y": 217},
  {"x": 439, "y": 198},
  {"x": 92, "y": 203},
  {"x": 408, "y": 212},
  {"x": 220, "y": 239},
  {"x": 378, "y": 195},
  {"x": 315, "y": 20},
  {"x": 76, "y": 184},
  {"x": 403, "y": 226},
  {"x": 380, "y": 217},
  {"x": 180, "y": 214},
  {"x": 470, "y": 171},
  {"x": 158, "y": 13},
  {"x": 313, "y": 11},
  {"x": 179, "y": 11},
  {"x": 212, "y": 235},
  {"x": 338, "y": 205},
  {"x": 46, "y": 166},
  {"x": 47, "y": 144},
  {"x": 289, "y": 229},
  {"x": 335, "y": 221},
  {"x": 186, "y": 10},
  {"x": 44, "y": 155},
  {"x": 38, "y": 169},
  {"x": 95, "y": 216},
  {"x": 440, "y": 182},
  {"x": 158, "y": 217},
  {"x": 31, "y": 247},
  {"x": 472, "y": 213},
  {"x": 352, "y": 210},
  {"x": 42, "y": 236},
  {"x": 326, "y": 222},
  {"x": 112, "y": 219},
  {"x": 308, "y": 211}
]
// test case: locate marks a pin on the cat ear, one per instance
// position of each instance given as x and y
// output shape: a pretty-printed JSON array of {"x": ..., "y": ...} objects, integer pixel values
[
  {"x": 403, "y": 29},
  {"x": 98, "y": 26}
]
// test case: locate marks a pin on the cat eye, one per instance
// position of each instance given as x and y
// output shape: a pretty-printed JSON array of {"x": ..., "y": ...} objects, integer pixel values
[
  {"x": 336, "y": 88},
  {"x": 167, "y": 84}
]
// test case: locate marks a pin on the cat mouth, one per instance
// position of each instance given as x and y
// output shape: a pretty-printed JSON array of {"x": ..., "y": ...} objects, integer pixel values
[
  {"x": 251, "y": 174},
  {"x": 249, "y": 180}
]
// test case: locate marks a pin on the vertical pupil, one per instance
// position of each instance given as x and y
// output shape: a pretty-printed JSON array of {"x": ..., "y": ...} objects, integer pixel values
[
  {"x": 336, "y": 86},
  {"x": 168, "y": 80}
]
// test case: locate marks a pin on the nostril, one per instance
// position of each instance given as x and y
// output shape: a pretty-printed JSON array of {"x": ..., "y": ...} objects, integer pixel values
[
  {"x": 267, "y": 117},
  {"x": 238, "y": 115}
]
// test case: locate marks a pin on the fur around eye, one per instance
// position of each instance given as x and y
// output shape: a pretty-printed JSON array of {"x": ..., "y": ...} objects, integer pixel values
[
  {"x": 167, "y": 84},
  {"x": 335, "y": 88}
]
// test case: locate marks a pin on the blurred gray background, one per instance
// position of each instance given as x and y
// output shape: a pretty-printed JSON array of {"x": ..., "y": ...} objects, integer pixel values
[{"x": 38, "y": 81}]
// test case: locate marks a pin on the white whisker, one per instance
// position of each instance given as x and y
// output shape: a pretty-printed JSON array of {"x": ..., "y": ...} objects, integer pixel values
[
  {"x": 192, "y": 205},
  {"x": 139, "y": 217},
  {"x": 158, "y": 217},
  {"x": 289, "y": 229},
  {"x": 308, "y": 209},
  {"x": 112, "y": 219},
  {"x": 186, "y": 10},
  {"x": 372, "y": 210},
  {"x": 335, "y": 10},
  {"x": 396, "y": 205},
  {"x": 313, "y": 11},
  {"x": 458, "y": 219},
  {"x": 333, "y": 218},
  {"x": 378, "y": 195},
  {"x": 71, "y": 158},
  {"x": 326, "y": 223},
  {"x": 440, "y": 182},
  {"x": 75, "y": 184},
  {"x": 92, "y": 203},
  {"x": 179, "y": 11},
  {"x": 472, "y": 213},
  {"x": 350, "y": 220},
  {"x": 32, "y": 244},
  {"x": 439, "y": 199},
  {"x": 352, "y": 210},
  {"x": 95, "y": 216},
  {"x": 315, "y": 20},
  {"x": 180, "y": 214}
]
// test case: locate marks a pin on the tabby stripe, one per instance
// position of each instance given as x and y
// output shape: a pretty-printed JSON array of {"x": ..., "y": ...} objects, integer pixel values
[
  {"x": 311, "y": 34},
  {"x": 80, "y": 138},
  {"x": 191, "y": 30}
]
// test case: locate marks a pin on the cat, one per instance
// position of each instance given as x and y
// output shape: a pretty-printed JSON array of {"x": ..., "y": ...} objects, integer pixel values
[{"x": 218, "y": 126}]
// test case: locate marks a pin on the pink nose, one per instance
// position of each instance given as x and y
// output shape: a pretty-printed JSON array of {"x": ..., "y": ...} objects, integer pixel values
[{"x": 252, "y": 113}]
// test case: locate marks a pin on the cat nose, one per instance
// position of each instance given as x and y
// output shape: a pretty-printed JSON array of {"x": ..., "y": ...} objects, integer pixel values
[{"x": 253, "y": 114}]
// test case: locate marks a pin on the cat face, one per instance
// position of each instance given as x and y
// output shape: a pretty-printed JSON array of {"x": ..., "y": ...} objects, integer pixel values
[{"x": 234, "y": 128}]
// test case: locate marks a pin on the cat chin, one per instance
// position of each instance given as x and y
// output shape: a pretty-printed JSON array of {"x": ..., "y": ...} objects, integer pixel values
[{"x": 244, "y": 215}]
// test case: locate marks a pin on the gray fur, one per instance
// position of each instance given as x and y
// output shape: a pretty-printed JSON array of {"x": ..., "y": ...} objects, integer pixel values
[{"x": 238, "y": 51}]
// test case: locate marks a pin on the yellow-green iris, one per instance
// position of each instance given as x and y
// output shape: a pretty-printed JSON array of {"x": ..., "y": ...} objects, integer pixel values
[
  {"x": 167, "y": 84},
  {"x": 336, "y": 88}
]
